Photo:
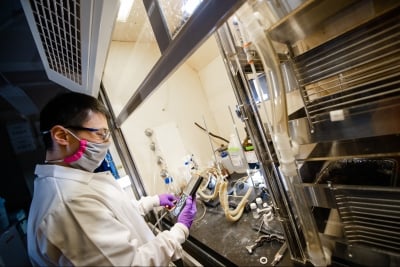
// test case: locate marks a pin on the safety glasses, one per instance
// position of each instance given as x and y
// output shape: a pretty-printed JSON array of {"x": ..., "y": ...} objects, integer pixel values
[{"x": 103, "y": 133}]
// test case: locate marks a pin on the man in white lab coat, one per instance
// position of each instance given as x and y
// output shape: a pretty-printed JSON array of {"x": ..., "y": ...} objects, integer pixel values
[{"x": 81, "y": 218}]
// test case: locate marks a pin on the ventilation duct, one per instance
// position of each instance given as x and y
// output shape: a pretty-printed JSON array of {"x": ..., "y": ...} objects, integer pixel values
[{"x": 72, "y": 37}]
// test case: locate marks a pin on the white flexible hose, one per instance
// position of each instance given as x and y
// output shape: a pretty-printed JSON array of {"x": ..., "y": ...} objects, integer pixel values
[
  {"x": 232, "y": 215},
  {"x": 211, "y": 196},
  {"x": 220, "y": 190}
]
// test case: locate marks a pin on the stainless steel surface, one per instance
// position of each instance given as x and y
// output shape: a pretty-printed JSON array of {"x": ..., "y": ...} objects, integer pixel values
[
  {"x": 337, "y": 75},
  {"x": 320, "y": 195},
  {"x": 370, "y": 216},
  {"x": 354, "y": 148},
  {"x": 360, "y": 171},
  {"x": 365, "y": 192},
  {"x": 315, "y": 22},
  {"x": 357, "y": 72},
  {"x": 382, "y": 120},
  {"x": 346, "y": 57}
]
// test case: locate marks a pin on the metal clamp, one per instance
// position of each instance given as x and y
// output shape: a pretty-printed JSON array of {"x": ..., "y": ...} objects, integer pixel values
[{"x": 264, "y": 238}]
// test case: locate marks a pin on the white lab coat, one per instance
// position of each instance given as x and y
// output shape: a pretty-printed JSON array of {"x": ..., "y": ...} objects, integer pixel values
[{"x": 86, "y": 219}]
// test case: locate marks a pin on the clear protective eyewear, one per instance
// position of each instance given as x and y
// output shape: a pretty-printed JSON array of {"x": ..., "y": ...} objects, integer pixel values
[{"x": 103, "y": 133}]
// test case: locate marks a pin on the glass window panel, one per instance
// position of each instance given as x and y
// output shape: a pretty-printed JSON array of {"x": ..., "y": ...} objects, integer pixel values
[
  {"x": 177, "y": 12},
  {"x": 133, "y": 52},
  {"x": 198, "y": 92}
]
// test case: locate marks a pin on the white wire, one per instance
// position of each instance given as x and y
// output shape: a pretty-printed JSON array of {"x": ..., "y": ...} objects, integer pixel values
[
  {"x": 204, "y": 212},
  {"x": 158, "y": 221}
]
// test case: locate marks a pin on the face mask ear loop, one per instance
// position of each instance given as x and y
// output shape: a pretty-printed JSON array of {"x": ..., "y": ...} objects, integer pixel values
[
  {"x": 78, "y": 154},
  {"x": 73, "y": 134}
]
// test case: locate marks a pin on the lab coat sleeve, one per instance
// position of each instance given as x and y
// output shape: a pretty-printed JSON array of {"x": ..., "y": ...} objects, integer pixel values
[
  {"x": 99, "y": 238},
  {"x": 146, "y": 204}
]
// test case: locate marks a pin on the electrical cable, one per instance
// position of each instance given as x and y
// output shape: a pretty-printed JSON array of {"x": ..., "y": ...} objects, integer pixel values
[
  {"x": 204, "y": 212},
  {"x": 158, "y": 221},
  {"x": 261, "y": 224},
  {"x": 211, "y": 134},
  {"x": 166, "y": 212}
]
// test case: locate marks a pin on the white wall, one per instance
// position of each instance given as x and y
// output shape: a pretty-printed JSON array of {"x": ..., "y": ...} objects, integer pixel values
[
  {"x": 220, "y": 96},
  {"x": 173, "y": 107},
  {"x": 126, "y": 67}
]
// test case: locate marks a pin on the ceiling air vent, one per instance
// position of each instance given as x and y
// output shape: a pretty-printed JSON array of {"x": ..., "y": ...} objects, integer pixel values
[{"x": 73, "y": 38}]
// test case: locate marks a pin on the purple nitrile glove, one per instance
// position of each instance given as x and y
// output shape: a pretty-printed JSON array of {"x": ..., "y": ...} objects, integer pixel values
[
  {"x": 188, "y": 212},
  {"x": 167, "y": 200}
]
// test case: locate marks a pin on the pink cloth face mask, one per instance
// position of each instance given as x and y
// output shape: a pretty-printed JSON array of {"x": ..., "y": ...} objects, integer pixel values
[
  {"x": 88, "y": 156},
  {"x": 78, "y": 154}
]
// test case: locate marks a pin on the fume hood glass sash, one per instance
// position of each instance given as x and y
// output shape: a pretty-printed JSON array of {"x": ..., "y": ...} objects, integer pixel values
[{"x": 203, "y": 22}]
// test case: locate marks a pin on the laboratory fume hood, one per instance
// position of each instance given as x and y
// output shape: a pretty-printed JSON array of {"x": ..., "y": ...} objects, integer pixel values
[{"x": 316, "y": 86}]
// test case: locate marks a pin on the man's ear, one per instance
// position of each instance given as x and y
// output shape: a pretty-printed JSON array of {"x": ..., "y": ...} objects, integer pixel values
[{"x": 59, "y": 135}]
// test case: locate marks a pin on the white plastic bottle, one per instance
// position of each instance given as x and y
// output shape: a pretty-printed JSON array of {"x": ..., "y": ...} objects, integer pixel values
[
  {"x": 236, "y": 155},
  {"x": 226, "y": 161},
  {"x": 259, "y": 203},
  {"x": 253, "y": 207}
]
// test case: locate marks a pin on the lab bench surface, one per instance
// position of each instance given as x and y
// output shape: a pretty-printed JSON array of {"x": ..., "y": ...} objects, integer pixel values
[{"x": 228, "y": 239}]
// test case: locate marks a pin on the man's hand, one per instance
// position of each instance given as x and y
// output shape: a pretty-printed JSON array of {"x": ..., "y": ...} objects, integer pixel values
[
  {"x": 188, "y": 213},
  {"x": 167, "y": 200}
]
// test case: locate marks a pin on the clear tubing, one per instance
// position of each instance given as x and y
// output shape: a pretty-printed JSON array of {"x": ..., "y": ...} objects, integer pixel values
[
  {"x": 254, "y": 22},
  {"x": 244, "y": 43}
]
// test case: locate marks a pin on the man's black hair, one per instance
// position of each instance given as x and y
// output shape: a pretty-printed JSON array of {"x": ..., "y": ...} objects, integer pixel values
[{"x": 68, "y": 109}]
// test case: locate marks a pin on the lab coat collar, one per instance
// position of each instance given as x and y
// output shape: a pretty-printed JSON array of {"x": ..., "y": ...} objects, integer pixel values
[{"x": 61, "y": 172}]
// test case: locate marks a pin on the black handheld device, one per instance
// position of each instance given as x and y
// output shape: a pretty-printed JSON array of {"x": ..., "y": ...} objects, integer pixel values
[{"x": 190, "y": 190}]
